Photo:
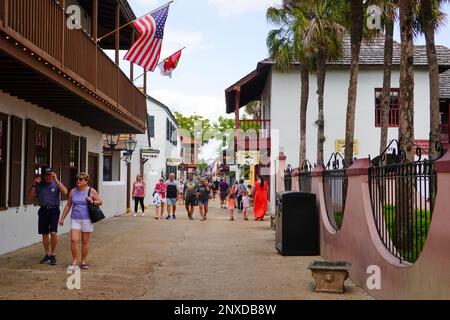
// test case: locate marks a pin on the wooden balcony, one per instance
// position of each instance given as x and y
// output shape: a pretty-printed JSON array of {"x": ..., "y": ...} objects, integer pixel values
[{"x": 44, "y": 62}]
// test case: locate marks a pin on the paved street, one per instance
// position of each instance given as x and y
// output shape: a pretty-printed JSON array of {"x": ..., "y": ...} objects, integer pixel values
[{"x": 143, "y": 258}]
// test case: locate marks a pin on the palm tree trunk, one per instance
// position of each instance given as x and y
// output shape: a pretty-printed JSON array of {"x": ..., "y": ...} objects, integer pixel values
[
  {"x": 321, "y": 74},
  {"x": 388, "y": 51},
  {"x": 429, "y": 28},
  {"x": 356, "y": 31},
  {"x": 406, "y": 129},
  {"x": 405, "y": 190},
  {"x": 304, "y": 72}
]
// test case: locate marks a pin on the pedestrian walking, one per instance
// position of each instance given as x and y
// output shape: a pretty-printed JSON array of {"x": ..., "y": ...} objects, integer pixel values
[
  {"x": 190, "y": 195},
  {"x": 223, "y": 188},
  {"x": 181, "y": 191},
  {"x": 246, "y": 204},
  {"x": 231, "y": 205},
  {"x": 215, "y": 187},
  {"x": 171, "y": 196},
  {"x": 203, "y": 194},
  {"x": 260, "y": 199},
  {"x": 139, "y": 192},
  {"x": 80, "y": 222},
  {"x": 160, "y": 189},
  {"x": 48, "y": 189},
  {"x": 240, "y": 189}
]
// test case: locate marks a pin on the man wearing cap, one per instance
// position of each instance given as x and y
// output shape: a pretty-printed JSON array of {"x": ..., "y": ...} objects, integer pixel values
[{"x": 48, "y": 191}]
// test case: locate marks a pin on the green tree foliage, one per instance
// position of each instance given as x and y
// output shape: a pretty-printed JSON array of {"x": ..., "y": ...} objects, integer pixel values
[{"x": 197, "y": 127}]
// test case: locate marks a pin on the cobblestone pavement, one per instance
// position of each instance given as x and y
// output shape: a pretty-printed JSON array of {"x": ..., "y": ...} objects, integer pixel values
[{"x": 143, "y": 258}]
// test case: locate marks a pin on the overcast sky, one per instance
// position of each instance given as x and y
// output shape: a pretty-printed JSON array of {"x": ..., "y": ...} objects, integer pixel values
[{"x": 224, "y": 38}]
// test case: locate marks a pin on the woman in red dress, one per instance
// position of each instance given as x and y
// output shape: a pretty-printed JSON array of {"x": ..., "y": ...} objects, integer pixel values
[{"x": 260, "y": 199}]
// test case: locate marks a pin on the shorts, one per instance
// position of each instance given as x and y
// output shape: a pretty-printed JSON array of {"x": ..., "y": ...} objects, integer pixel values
[
  {"x": 203, "y": 202},
  {"x": 191, "y": 201},
  {"x": 163, "y": 200},
  {"x": 48, "y": 220},
  {"x": 223, "y": 195},
  {"x": 171, "y": 201},
  {"x": 85, "y": 226}
]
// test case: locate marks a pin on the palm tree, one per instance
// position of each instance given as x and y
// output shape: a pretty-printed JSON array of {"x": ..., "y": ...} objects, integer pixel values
[
  {"x": 254, "y": 109},
  {"x": 429, "y": 18},
  {"x": 285, "y": 47},
  {"x": 406, "y": 129},
  {"x": 323, "y": 41},
  {"x": 356, "y": 34},
  {"x": 389, "y": 12}
]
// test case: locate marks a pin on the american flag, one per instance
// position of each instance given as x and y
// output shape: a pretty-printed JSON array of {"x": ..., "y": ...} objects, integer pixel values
[{"x": 146, "y": 50}]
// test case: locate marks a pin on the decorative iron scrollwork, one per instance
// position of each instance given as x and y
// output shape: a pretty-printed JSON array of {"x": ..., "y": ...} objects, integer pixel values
[
  {"x": 307, "y": 166},
  {"x": 336, "y": 162}
]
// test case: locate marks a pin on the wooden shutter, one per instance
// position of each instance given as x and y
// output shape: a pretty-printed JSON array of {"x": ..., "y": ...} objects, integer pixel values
[
  {"x": 15, "y": 165},
  {"x": 3, "y": 158},
  {"x": 56, "y": 151},
  {"x": 65, "y": 160},
  {"x": 30, "y": 158},
  {"x": 83, "y": 154}
]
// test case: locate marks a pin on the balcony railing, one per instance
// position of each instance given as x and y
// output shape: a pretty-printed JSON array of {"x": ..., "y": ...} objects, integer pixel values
[{"x": 40, "y": 26}]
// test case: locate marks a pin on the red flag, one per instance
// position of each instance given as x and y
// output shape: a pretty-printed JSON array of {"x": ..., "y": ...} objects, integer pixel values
[
  {"x": 168, "y": 65},
  {"x": 146, "y": 51}
]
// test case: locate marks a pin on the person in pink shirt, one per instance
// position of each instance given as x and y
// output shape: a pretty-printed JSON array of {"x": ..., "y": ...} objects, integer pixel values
[
  {"x": 161, "y": 189},
  {"x": 139, "y": 189}
]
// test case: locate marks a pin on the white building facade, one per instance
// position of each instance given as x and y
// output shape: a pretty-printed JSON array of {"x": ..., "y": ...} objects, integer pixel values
[{"x": 162, "y": 140}]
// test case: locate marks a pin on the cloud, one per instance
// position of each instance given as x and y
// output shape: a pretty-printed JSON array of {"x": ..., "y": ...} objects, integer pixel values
[
  {"x": 228, "y": 8},
  {"x": 177, "y": 39},
  {"x": 207, "y": 106}
]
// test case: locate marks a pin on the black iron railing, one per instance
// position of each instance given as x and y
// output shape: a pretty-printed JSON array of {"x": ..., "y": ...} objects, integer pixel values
[
  {"x": 304, "y": 178},
  {"x": 402, "y": 195},
  {"x": 335, "y": 184}
]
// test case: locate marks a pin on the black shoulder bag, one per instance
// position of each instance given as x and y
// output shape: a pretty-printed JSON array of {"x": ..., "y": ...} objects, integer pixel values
[{"x": 95, "y": 213}]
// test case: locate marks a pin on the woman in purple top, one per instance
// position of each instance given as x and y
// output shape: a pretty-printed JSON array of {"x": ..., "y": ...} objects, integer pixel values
[{"x": 81, "y": 223}]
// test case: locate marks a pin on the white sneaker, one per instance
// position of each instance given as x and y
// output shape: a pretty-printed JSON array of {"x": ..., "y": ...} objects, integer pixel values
[
  {"x": 143, "y": 215},
  {"x": 72, "y": 268},
  {"x": 135, "y": 215}
]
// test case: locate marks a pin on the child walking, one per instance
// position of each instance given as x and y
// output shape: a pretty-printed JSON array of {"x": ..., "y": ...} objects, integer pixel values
[
  {"x": 231, "y": 205},
  {"x": 246, "y": 205}
]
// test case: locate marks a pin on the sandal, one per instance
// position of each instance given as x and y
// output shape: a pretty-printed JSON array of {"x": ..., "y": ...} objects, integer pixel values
[{"x": 84, "y": 266}]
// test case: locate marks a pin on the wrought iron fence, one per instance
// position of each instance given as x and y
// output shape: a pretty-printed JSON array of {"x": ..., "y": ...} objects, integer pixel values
[
  {"x": 304, "y": 178},
  {"x": 402, "y": 195},
  {"x": 288, "y": 178},
  {"x": 335, "y": 189}
]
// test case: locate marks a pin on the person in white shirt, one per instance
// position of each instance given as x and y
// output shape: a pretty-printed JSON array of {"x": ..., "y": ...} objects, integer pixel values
[{"x": 246, "y": 204}]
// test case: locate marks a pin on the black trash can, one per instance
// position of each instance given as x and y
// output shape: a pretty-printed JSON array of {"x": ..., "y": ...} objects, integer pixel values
[{"x": 297, "y": 224}]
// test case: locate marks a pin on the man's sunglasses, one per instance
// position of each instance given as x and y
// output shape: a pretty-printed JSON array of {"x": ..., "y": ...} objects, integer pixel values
[{"x": 80, "y": 179}]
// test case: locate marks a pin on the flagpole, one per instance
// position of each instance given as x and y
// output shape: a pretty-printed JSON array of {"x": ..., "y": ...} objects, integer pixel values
[
  {"x": 147, "y": 71},
  {"x": 127, "y": 24}
]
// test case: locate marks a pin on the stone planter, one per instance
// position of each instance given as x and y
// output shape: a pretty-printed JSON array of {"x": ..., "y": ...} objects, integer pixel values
[{"x": 330, "y": 275}]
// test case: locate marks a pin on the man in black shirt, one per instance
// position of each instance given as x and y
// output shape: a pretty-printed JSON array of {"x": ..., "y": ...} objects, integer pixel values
[{"x": 171, "y": 196}]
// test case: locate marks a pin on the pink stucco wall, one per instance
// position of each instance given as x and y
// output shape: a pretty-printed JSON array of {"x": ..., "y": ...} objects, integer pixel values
[{"x": 359, "y": 243}]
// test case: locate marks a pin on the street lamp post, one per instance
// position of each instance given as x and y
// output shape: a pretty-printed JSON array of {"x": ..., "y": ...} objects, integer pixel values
[
  {"x": 112, "y": 140},
  {"x": 130, "y": 147}
]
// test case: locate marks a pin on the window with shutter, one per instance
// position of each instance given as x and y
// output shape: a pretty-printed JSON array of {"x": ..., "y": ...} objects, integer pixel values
[
  {"x": 74, "y": 156},
  {"x": 3, "y": 157},
  {"x": 83, "y": 154},
  {"x": 15, "y": 162},
  {"x": 151, "y": 126},
  {"x": 30, "y": 158}
]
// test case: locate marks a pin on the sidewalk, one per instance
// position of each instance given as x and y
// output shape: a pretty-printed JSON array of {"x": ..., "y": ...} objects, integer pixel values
[{"x": 143, "y": 258}]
